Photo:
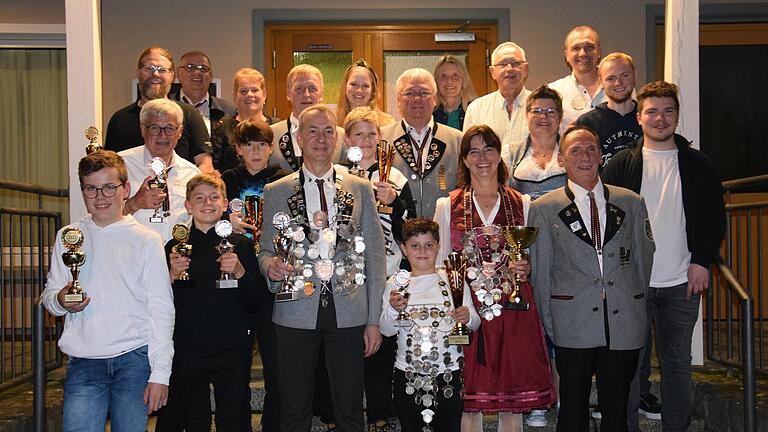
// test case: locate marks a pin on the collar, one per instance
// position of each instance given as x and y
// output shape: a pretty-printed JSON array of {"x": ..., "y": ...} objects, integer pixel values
[
  {"x": 294, "y": 123},
  {"x": 579, "y": 193},
  {"x": 518, "y": 102},
  {"x": 310, "y": 178},
  {"x": 184, "y": 98},
  {"x": 429, "y": 126}
]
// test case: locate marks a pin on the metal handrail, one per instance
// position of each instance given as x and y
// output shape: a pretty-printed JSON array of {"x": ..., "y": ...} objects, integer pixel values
[
  {"x": 744, "y": 182},
  {"x": 33, "y": 188}
]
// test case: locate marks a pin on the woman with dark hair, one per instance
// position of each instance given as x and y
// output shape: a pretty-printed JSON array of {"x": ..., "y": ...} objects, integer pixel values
[
  {"x": 506, "y": 366},
  {"x": 454, "y": 91},
  {"x": 533, "y": 162},
  {"x": 359, "y": 88}
]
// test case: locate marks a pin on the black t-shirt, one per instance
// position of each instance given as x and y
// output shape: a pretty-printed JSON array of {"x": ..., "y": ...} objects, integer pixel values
[{"x": 615, "y": 131}]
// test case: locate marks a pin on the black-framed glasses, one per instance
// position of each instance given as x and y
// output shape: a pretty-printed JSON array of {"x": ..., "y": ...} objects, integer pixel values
[
  {"x": 541, "y": 112},
  {"x": 151, "y": 69},
  {"x": 191, "y": 67},
  {"x": 108, "y": 190},
  {"x": 154, "y": 129}
]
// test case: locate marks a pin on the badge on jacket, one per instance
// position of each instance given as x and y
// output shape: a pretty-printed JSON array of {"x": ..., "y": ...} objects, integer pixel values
[{"x": 648, "y": 231}]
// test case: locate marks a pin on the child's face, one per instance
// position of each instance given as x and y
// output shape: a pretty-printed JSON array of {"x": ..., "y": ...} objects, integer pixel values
[
  {"x": 105, "y": 210},
  {"x": 255, "y": 154},
  {"x": 366, "y": 136},
  {"x": 421, "y": 251},
  {"x": 206, "y": 204}
]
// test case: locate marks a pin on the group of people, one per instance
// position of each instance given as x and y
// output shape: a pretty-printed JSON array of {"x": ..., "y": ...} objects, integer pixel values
[{"x": 340, "y": 260}]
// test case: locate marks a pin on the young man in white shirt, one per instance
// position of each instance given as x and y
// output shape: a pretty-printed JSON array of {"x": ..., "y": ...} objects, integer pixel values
[{"x": 119, "y": 338}]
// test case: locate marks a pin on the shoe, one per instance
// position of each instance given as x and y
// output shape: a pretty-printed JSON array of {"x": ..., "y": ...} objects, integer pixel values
[
  {"x": 596, "y": 413},
  {"x": 538, "y": 418},
  {"x": 650, "y": 406},
  {"x": 381, "y": 427}
]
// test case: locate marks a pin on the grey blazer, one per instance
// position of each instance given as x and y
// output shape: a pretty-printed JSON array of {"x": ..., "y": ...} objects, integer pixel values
[
  {"x": 282, "y": 144},
  {"x": 359, "y": 308},
  {"x": 567, "y": 282},
  {"x": 442, "y": 163}
]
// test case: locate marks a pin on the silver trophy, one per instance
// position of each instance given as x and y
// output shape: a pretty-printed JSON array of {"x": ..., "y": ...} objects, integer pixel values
[
  {"x": 224, "y": 230},
  {"x": 283, "y": 244},
  {"x": 355, "y": 155},
  {"x": 159, "y": 181},
  {"x": 402, "y": 280}
]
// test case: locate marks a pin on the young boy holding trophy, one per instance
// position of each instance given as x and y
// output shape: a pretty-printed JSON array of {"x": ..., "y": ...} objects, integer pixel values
[
  {"x": 112, "y": 287},
  {"x": 425, "y": 309},
  {"x": 215, "y": 289}
]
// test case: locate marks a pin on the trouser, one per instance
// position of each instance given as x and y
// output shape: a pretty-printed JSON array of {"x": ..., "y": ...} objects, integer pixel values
[
  {"x": 614, "y": 370},
  {"x": 641, "y": 383},
  {"x": 447, "y": 417},
  {"x": 266, "y": 339}
]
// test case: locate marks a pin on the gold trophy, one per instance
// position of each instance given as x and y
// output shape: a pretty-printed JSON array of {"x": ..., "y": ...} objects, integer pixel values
[
  {"x": 456, "y": 268},
  {"x": 519, "y": 239},
  {"x": 73, "y": 258},
  {"x": 92, "y": 134},
  {"x": 386, "y": 157},
  {"x": 224, "y": 230},
  {"x": 255, "y": 216},
  {"x": 180, "y": 233},
  {"x": 160, "y": 181}
]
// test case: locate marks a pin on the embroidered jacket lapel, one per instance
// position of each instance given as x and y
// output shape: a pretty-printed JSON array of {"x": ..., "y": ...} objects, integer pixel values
[
  {"x": 286, "y": 148},
  {"x": 572, "y": 218},
  {"x": 614, "y": 218}
]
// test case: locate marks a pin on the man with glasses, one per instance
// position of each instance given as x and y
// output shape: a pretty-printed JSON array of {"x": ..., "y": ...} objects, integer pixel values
[
  {"x": 159, "y": 208},
  {"x": 427, "y": 152},
  {"x": 581, "y": 90},
  {"x": 504, "y": 109},
  {"x": 195, "y": 76},
  {"x": 155, "y": 73},
  {"x": 685, "y": 207}
]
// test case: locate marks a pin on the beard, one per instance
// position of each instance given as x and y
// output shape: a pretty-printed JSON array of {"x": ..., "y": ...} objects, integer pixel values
[
  {"x": 154, "y": 91},
  {"x": 619, "y": 98}
]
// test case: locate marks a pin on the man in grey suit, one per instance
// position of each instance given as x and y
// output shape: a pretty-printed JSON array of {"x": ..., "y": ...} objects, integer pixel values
[
  {"x": 427, "y": 152},
  {"x": 591, "y": 264},
  {"x": 329, "y": 310}
]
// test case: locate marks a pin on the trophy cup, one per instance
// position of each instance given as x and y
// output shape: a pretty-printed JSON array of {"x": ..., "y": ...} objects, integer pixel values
[
  {"x": 92, "y": 134},
  {"x": 224, "y": 230},
  {"x": 73, "y": 258},
  {"x": 180, "y": 233},
  {"x": 519, "y": 239},
  {"x": 386, "y": 157},
  {"x": 402, "y": 280},
  {"x": 157, "y": 166},
  {"x": 355, "y": 155},
  {"x": 283, "y": 243},
  {"x": 456, "y": 267}
]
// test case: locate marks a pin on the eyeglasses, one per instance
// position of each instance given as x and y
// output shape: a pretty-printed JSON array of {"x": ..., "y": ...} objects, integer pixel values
[
  {"x": 541, "y": 112},
  {"x": 151, "y": 69},
  {"x": 514, "y": 64},
  {"x": 154, "y": 129},
  {"x": 191, "y": 67},
  {"x": 416, "y": 94},
  {"x": 108, "y": 190}
]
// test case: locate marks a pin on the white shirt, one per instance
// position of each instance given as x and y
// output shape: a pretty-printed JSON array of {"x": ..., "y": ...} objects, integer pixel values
[
  {"x": 312, "y": 194},
  {"x": 576, "y": 99},
  {"x": 443, "y": 219},
  {"x": 203, "y": 107},
  {"x": 664, "y": 198},
  {"x": 137, "y": 161},
  {"x": 581, "y": 198},
  {"x": 294, "y": 134},
  {"x": 419, "y": 138},
  {"x": 491, "y": 110},
  {"x": 126, "y": 277},
  {"x": 424, "y": 290}
]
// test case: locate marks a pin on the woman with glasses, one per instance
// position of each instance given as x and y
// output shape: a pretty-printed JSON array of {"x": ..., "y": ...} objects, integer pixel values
[
  {"x": 454, "y": 91},
  {"x": 534, "y": 167},
  {"x": 359, "y": 88},
  {"x": 506, "y": 369}
]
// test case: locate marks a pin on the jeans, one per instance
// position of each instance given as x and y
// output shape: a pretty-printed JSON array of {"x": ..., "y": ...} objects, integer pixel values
[
  {"x": 675, "y": 317},
  {"x": 641, "y": 383},
  {"x": 114, "y": 387}
]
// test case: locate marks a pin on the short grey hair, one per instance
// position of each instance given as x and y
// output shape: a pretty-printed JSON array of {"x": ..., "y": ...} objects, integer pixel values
[
  {"x": 415, "y": 73},
  {"x": 504, "y": 45},
  {"x": 161, "y": 107}
]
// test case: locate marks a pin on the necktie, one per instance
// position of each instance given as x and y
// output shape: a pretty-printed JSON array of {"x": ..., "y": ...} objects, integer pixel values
[
  {"x": 323, "y": 202},
  {"x": 594, "y": 215}
]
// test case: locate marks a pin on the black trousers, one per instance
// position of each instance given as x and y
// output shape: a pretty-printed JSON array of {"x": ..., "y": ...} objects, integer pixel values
[
  {"x": 298, "y": 351},
  {"x": 447, "y": 417},
  {"x": 614, "y": 370},
  {"x": 267, "y": 342}
]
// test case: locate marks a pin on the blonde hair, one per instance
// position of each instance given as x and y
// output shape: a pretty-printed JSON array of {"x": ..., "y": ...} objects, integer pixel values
[
  {"x": 468, "y": 93},
  {"x": 207, "y": 179},
  {"x": 248, "y": 73},
  {"x": 343, "y": 107},
  {"x": 616, "y": 56},
  {"x": 303, "y": 69},
  {"x": 359, "y": 115}
]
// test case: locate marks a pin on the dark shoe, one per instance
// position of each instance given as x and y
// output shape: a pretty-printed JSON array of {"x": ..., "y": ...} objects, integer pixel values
[{"x": 650, "y": 406}]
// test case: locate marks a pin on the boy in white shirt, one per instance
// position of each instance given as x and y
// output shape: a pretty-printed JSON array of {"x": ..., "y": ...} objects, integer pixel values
[
  {"x": 118, "y": 338},
  {"x": 420, "y": 395}
]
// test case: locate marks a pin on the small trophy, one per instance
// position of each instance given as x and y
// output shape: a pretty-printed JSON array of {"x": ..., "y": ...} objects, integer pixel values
[
  {"x": 224, "y": 230},
  {"x": 456, "y": 267},
  {"x": 73, "y": 258},
  {"x": 283, "y": 243},
  {"x": 402, "y": 280},
  {"x": 355, "y": 155},
  {"x": 92, "y": 134},
  {"x": 519, "y": 239},
  {"x": 160, "y": 181},
  {"x": 386, "y": 157},
  {"x": 180, "y": 233}
]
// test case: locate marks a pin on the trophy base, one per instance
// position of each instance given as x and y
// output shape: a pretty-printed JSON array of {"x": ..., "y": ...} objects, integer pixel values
[
  {"x": 156, "y": 219},
  {"x": 286, "y": 296},
  {"x": 403, "y": 323},
  {"x": 384, "y": 209},
  {"x": 74, "y": 298},
  {"x": 458, "y": 339},
  {"x": 226, "y": 283}
]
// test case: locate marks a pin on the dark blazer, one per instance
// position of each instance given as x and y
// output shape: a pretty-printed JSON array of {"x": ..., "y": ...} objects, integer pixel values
[{"x": 566, "y": 276}]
